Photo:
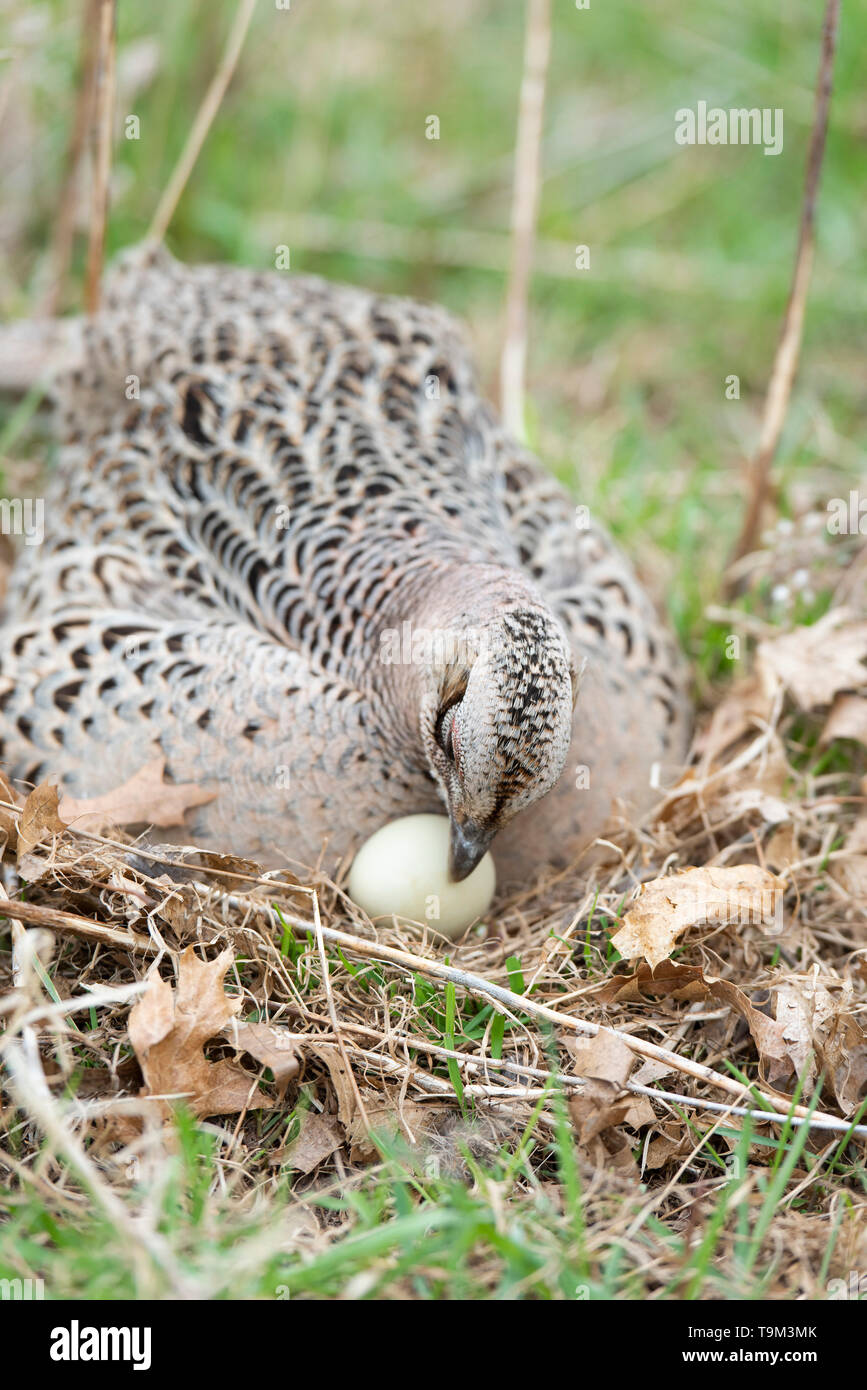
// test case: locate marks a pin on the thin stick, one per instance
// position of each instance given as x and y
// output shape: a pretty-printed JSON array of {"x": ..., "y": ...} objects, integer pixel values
[
  {"x": 826, "y": 1122},
  {"x": 476, "y": 985},
  {"x": 789, "y": 346},
  {"x": 61, "y": 246},
  {"x": 525, "y": 206},
  {"x": 103, "y": 115},
  {"x": 202, "y": 124},
  {"x": 332, "y": 1010},
  {"x": 30, "y": 1090},
  {"x": 55, "y": 919},
  {"x": 134, "y": 941}
]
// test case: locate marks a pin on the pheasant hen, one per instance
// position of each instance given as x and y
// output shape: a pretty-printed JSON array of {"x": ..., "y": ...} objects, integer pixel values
[{"x": 290, "y": 550}]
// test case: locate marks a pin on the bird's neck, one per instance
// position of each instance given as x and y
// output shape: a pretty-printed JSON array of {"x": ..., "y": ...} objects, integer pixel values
[
  {"x": 439, "y": 614},
  {"x": 465, "y": 595}
]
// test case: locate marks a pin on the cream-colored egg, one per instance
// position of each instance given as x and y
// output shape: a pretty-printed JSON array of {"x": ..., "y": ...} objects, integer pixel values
[{"x": 402, "y": 871}]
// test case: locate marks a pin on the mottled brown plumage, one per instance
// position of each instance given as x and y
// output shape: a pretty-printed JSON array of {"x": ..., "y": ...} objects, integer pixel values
[{"x": 291, "y": 549}]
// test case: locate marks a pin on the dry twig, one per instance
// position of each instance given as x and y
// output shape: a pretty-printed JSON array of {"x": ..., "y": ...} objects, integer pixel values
[
  {"x": 789, "y": 346},
  {"x": 64, "y": 223},
  {"x": 525, "y": 204},
  {"x": 202, "y": 124},
  {"x": 103, "y": 121}
]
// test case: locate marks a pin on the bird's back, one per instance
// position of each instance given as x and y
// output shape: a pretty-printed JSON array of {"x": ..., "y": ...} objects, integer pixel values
[
  {"x": 259, "y": 474},
  {"x": 274, "y": 446}
]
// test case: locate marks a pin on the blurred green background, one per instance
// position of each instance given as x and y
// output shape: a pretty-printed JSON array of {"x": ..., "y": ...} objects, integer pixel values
[{"x": 320, "y": 144}]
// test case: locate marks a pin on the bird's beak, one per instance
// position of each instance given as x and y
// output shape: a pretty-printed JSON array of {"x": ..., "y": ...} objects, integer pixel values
[{"x": 467, "y": 847}]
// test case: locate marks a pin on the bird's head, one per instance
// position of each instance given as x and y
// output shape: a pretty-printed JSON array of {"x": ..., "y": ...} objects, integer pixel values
[{"x": 497, "y": 724}]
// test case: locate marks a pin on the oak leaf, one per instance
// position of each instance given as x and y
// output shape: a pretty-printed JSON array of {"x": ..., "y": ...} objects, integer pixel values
[
  {"x": 815, "y": 663},
  {"x": 318, "y": 1138},
  {"x": 666, "y": 907},
  {"x": 8, "y": 826},
  {"x": 39, "y": 818},
  {"x": 168, "y": 1029},
  {"x": 848, "y": 719},
  {"x": 688, "y": 983},
  {"x": 145, "y": 799},
  {"x": 270, "y": 1044}
]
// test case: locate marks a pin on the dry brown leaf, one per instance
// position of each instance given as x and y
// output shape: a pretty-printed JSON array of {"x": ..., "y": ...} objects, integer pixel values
[
  {"x": 815, "y": 663},
  {"x": 270, "y": 1044},
  {"x": 340, "y": 1078},
  {"x": 389, "y": 1118},
  {"x": 606, "y": 1061},
  {"x": 319, "y": 1136},
  {"x": 844, "y": 1058},
  {"x": 604, "y": 1057},
  {"x": 683, "y": 983},
  {"x": 597, "y": 1107},
  {"x": 802, "y": 1012},
  {"x": 8, "y": 826},
  {"x": 745, "y": 708},
  {"x": 767, "y": 1033},
  {"x": 673, "y": 1142},
  {"x": 851, "y": 870},
  {"x": 145, "y": 799},
  {"x": 598, "y": 1110},
  {"x": 848, "y": 719},
  {"x": 168, "y": 1029},
  {"x": 782, "y": 849},
  {"x": 39, "y": 818},
  {"x": 743, "y": 894},
  {"x": 689, "y": 983}
]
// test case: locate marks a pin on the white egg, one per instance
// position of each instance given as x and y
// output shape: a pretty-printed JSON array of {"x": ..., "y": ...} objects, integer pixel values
[{"x": 403, "y": 871}]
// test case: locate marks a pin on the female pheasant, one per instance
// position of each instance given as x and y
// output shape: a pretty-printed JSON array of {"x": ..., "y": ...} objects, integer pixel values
[{"x": 291, "y": 551}]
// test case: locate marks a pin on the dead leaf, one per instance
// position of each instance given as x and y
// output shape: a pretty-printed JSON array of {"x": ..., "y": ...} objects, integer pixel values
[
  {"x": 782, "y": 849},
  {"x": 604, "y": 1057},
  {"x": 319, "y": 1136},
  {"x": 801, "y": 1013},
  {"x": 8, "y": 825},
  {"x": 389, "y": 1118},
  {"x": 815, "y": 663},
  {"x": 597, "y": 1107},
  {"x": 168, "y": 1029},
  {"x": 270, "y": 1044},
  {"x": 232, "y": 869},
  {"x": 340, "y": 1078},
  {"x": 683, "y": 983},
  {"x": 39, "y": 818},
  {"x": 666, "y": 907},
  {"x": 745, "y": 708},
  {"x": 848, "y": 719},
  {"x": 674, "y": 1141},
  {"x": 850, "y": 871},
  {"x": 600, "y": 1106},
  {"x": 145, "y": 799},
  {"x": 689, "y": 983},
  {"x": 844, "y": 1057}
]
